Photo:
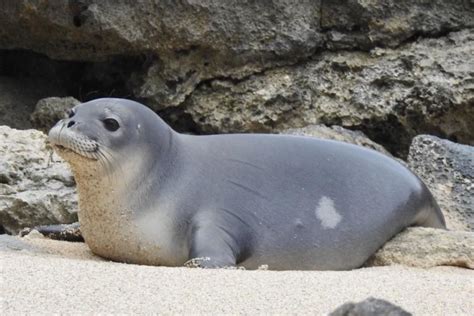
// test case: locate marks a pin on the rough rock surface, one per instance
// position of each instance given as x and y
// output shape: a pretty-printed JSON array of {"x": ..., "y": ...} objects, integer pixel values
[
  {"x": 390, "y": 94},
  {"x": 365, "y": 24},
  {"x": 447, "y": 169},
  {"x": 427, "y": 247},
  {"x": 337, "y": 133},
  {"x": 50, "y": 110},
  {"x": 186, "y": 42},
  {"x": 36, "y": 186},
  {"x": 369, "y": 307}
]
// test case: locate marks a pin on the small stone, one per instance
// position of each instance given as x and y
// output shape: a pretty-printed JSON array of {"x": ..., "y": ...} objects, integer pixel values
[
  {"x": 370, "y": 307},
  {"x": 33, "y": 234},
  {"x": 48, "y": 111}
]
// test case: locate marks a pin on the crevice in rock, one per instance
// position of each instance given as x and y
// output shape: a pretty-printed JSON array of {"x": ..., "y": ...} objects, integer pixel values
[
  {"x": 396, "y": 136},
  {"x": 389, "y": 133},
  {"x": 35, "y": 75},
  {"x": 82, "y": 80},
  {"x": 180, "y": 120},
  {"x": 187, "y": 51},
  {"x": 78, "y": 9},
  {"x": 418, "y": 35}
]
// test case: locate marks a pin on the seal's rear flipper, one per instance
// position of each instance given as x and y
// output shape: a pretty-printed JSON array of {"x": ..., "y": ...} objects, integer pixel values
[{"x": 432, "y": 217}]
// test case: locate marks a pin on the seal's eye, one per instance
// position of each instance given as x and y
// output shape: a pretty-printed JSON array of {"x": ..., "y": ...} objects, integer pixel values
[
  {"x": 71, "y": 113},
  {"x": 111, "y": 124}
]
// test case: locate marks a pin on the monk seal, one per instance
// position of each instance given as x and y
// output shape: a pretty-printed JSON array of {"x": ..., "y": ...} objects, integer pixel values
[{"x": 150, "y": 195}]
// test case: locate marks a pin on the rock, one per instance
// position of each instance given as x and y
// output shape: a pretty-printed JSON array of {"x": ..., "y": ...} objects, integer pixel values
[
  {"x": 390, "y": 94},
  {"x": 427, "y": 247},
  {"x": 33, "y": 233},
  {"x": 365, "y": 24},
  {"x": 369, "y": 307},
  {"x": 18, "y": 98},
  {"x": 36, "y": 186},
  {"x": 184, "y": 42},
  {"x": 447, "y": 169},
  {"x": 50, "y": 110},
  {"x": 187, "y": 42},
  {"x": 337, "y": 133}
]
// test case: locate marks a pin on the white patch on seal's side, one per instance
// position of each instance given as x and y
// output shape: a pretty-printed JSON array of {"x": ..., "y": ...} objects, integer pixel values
[{"x": 327, "y": 214}]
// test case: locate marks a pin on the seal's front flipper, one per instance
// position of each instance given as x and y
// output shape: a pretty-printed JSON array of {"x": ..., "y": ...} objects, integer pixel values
[
  {"x": 203, "y": 262},
  {"x": 67, "y": 232},
  {"x": 212, "y": 247}
]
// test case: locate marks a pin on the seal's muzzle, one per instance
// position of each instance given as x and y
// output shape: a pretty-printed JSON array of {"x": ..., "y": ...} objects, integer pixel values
[{"x": 64, "y": 137}]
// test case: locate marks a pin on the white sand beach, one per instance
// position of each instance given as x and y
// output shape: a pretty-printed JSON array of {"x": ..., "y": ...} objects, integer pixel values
[{"x": 42, "y": 276}]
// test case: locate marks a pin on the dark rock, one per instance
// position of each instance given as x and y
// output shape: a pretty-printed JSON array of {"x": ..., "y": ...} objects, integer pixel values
[
  {"x": 370, "y": 307},
  {"x": 185, "y": 43}
]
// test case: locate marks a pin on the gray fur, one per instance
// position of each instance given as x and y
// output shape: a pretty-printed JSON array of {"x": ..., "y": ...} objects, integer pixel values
[{"x": 288, "y": 202}]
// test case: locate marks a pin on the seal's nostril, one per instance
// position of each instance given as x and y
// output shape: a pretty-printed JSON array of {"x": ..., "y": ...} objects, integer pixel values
[{"x": 71, "y": 123}]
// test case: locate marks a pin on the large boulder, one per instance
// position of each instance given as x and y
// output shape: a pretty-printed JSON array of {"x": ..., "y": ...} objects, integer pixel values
[
  {"x": 36, "y": 186},
  {"x": 390, "y": 94},
  {"x": 183, "y": 42},
  {"x": 447, "y": 169},
  {"x": 186, "y": 42},
  {"x": 427, "y": 247},
  {"x": 359, "y": 24}
]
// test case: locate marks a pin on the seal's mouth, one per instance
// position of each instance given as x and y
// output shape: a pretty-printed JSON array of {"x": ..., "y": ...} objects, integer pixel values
[
  {"x": 64, "y": 149},
  {"x": 93, "y": 155},
  {"x": 67, "y": 141},
  {"x": 60, "y": 147}
]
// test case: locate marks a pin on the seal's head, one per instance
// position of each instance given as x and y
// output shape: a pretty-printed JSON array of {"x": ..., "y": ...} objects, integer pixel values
[
  {"x": 118, "y": 150},
  {"x": 110, "y": 132}
]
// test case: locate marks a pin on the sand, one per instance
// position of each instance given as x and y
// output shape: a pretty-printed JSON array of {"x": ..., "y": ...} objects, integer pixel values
[{"x": 41, "y": 276}]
